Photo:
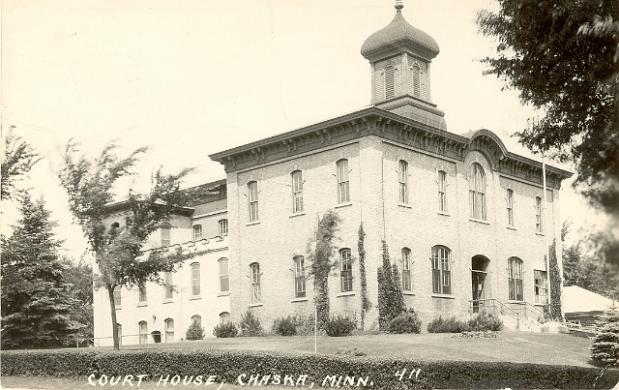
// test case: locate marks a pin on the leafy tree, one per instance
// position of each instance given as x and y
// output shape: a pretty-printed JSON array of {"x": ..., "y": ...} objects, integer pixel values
[
  {"x": 79, "y": 278},
  {"x": 35, "y": 298},
  {"x": 320, "y": 253},
  {"x": 390, "y": 298},
  {"x": 118, "y": 252},
  {"x": 19, "y": 157},
  {"x": 563, "y": 57}
]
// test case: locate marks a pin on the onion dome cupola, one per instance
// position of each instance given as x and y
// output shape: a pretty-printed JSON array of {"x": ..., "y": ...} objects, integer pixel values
[{"x": 400, "y": 56}]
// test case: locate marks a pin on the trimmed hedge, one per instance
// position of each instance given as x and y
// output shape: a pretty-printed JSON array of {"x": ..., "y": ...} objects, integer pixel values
[{"x": 228, "y": 365}]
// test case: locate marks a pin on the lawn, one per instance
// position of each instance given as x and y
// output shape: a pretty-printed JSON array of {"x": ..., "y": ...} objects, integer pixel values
[{"x": 518, "y": 347}]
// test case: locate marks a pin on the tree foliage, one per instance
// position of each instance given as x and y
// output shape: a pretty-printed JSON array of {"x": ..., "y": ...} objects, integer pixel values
[
  {"x": 118, "y": 251},
  {"x": 35, "y": 299},
  {"x": 79, "y": 279},
  {"x": 365, "y": 301},
  {"x": 18, "y": 159},
  {"x": 320, "y": 253},
  {"x": 563, "y": 57},
  {"x": 555, "y": 280},
  {"x": 390, "y": 298}
]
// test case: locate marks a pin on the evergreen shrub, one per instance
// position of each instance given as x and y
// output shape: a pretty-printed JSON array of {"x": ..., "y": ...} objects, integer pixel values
[
  {"x": 447, "y": 325},
  {"x": 195, "y": 331},
  {"x": 225, "y": 330},
  {"x": 340, "y": 326},
  {"x": 250, "y": 325},
  {"x": 406, "y": 322},
  {"x": 284, "y": 326}
]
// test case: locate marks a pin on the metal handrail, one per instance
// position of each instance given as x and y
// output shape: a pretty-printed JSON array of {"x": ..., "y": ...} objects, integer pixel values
[{"x": 498, "y": 301}]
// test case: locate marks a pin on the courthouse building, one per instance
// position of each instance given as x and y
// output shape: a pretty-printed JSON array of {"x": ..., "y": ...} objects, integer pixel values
[{"x": 465, "y": 219}]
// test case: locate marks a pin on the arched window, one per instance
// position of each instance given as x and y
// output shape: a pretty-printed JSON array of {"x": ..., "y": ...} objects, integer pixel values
[
  {"x": 224, "y": 317},
  {"x": 477, "y": 192},
  {"x": 223, "y": 227},
  {"x": 195, "y": 279},
  {"x": 255, "y": 282},
  {"x": 224, "y": 282},
  {"x": 142, "y": 297},
  {"x": 515, "y": 279},
  {"x": 297, "y": 191},
  {"x": 117, "y": 297},
  {"x": 168, "y": 286},
  {"x": 143, "y": 332},
  {"x": 407, "y": 282},
  {"x": 442, "y": 191},
  {"x": 169, "y": 330},
  {"x": 165, "y": 234},
  {"x": 510, "y": 207},
  {"x": 345, "y": 270},
  {"x": 252, "y": 198},
  {"x": 343, "y": 190},
  {"x": 197, "y": 232},
  {"x": 538, "y": 214},
  {"x": 416, "y": 81},
  {"x": 299, "y": 277},
  {"x": 196, "y": 319},
  {"x": 403, "y": 181},
  {"x": 441, "y": 273},
  {"x": 119, "y": 330}
]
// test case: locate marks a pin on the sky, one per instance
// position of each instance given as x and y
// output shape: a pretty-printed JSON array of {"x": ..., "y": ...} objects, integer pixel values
[{"x": 194, "y": 77}]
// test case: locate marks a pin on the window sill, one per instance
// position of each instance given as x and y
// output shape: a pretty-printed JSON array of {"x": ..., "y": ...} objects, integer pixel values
[
  {"x": 299, "y": 214},
  {"x": 118, "y": 307},
  {"x": 515, "y": 302},
  {"x": 408, "y": 293},
  {"x": 405, "y": 205},
  {"x": 256, "y": 304},
  {"x": 142, "y": 304},
  {"x": 479, "y": 221},
  {"x": 293, "y": 300},
  {"x": 195, "y": 298},
  {"x": 224, "y": 294},
  {"x": 252, "y": 223},
  {"x": 446, "y": 296},
  {"x": 170, "y": 300},
  {"x": 539, "y": 234},
  {"x": 511, "y": 227},
  {"x": 337, "y": 206},
  {"x": 346, "y": 294},
  {"x": 445, "y": 213}
]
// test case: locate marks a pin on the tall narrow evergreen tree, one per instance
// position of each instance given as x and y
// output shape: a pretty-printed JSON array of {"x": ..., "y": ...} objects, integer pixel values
[
  {"x": 35, "y": 297},
  {"x": 390, "y": 299}
]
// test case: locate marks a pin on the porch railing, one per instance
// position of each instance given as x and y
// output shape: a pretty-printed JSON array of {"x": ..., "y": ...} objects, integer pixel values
[{"x": 495, "y": 306}]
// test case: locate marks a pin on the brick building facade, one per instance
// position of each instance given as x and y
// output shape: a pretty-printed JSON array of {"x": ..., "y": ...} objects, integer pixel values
[{"x": 465, "y": 219}]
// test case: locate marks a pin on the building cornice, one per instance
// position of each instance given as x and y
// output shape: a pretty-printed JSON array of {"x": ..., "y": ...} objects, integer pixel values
[{"x": 390, "y": 126}]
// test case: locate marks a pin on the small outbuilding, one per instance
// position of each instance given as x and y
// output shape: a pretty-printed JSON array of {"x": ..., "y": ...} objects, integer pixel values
[{"x": 583, "y": 306}]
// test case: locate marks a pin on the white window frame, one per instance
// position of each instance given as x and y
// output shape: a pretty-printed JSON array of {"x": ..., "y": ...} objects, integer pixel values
[
  {"x": 442, "y": 190},
  {"x": 299, "y": 277},
  {"x": 252, "y": 200},
  {"x": 143, "y": 332},
  {"x": 197, "y": 232},
  {"x": 224, "y": 279},
  {"x": 296, "y": 178},
  {"x": 346, "y": 276},
  {"x": 343, "y": 181},
  {"x": 477, "y": 192},
  {"x": 510, "y": 207},
  {"x": 514, "y": 279},
  {"x": 169, "y": 330},
  {"x": 441, "y": 270},
  {"x": 407, "y": 277},
  {"x": 539, "y": 214},
  {"x": 256, "y": 279},
  {"x": 403, "y": 181},
  {"x": 195, "y": 279},
  {"x": 223, "y": 227}
]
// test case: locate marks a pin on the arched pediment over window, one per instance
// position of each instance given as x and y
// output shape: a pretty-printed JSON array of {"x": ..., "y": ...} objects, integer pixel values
[{"x": 490, "y": 145}]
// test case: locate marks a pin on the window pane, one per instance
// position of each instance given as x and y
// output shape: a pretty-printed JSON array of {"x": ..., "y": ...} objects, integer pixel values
[
  {"x": 197, "y": 232},
  {"x": 252, "y": 197},
  {"x": 346, "y": 270},
  {"x": 195, "y": 279},
  {"x": 255, "y": 282},
  {"x": 223, "y": 275},
  {"x": 223, "y": 227},
  {"x": 165, "y": 235},
  {"x": 343, "y": 195},
  {"x": 297, "y": 192}
]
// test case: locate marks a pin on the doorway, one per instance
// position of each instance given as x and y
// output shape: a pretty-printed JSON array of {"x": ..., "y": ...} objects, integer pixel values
[{"x": 479, "y": 275}]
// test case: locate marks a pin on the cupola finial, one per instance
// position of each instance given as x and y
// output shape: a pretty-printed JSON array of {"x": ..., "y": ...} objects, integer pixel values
[{"x": 399, "y": 4}]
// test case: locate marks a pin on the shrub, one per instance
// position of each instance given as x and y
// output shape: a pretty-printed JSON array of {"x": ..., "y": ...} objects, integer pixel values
[
  {"x": 304, "y": 325},
  {"x": 447, "y": 325},
  {"x": 284, "y": 327},
  {"x": 195, "y": 331},
  {"x": 228, "y": 365},
  {"x": 390, "y": 299},
  {"x": 485, "y": 321},
  {"x": 340, "y": 326},
  {"x": 406, "y": 322},
  {"x": 605, "y": 347},
  {"x": 225, "y": 330},
  {"x": 250, "y": 325}
]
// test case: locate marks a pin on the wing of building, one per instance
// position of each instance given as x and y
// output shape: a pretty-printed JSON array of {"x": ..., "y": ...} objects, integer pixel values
[{"x": 465, "y": 219}]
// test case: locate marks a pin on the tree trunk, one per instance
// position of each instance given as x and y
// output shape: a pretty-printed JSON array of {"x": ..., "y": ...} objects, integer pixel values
[{"x": 110, "y": 294}]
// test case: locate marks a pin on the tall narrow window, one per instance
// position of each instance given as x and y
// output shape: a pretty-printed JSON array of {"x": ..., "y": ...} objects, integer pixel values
[
  {"x": 117, "y": 297},
  {"x": 441, "y": 273},
  {"x": 297, "y": 191},
  {"x": 197, "y": 232},
  {"x": 299, "y": 277},
  {"x": 416, "y": 81},
  {"x": 343, "y": 194},
  {"x": 407, "y": 281},
  {"x": 477, "y": 192},
  {"x": 442, "y": 191},
  {"x": 515, "y": 279},
  {"x": 169, "y": 330},
  {"x": 142, "y": 294},
  {"x": 255, "y": 282},
  {"x": 403, "y": 181},
  {"x": 345, "y": 270},
  {"x": 541, "y": 287},
  {"x": 252, "y": 196},
  {"x": 389, "y": 82},
  {"x": 168, "y": 286},
  {"x": 224, "y": 317},
  {"x": 223, "y": 227},
  {"x": 538, "y": 214},
  {"x": 224, "y": 283},
  {"x": 195, "y": 279},
  {"x": 143, "y": 332},
  {"x": 510, "y": 207},
  {"x": 165, "y": 234},
  {"x": 196, "y": 319}
]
